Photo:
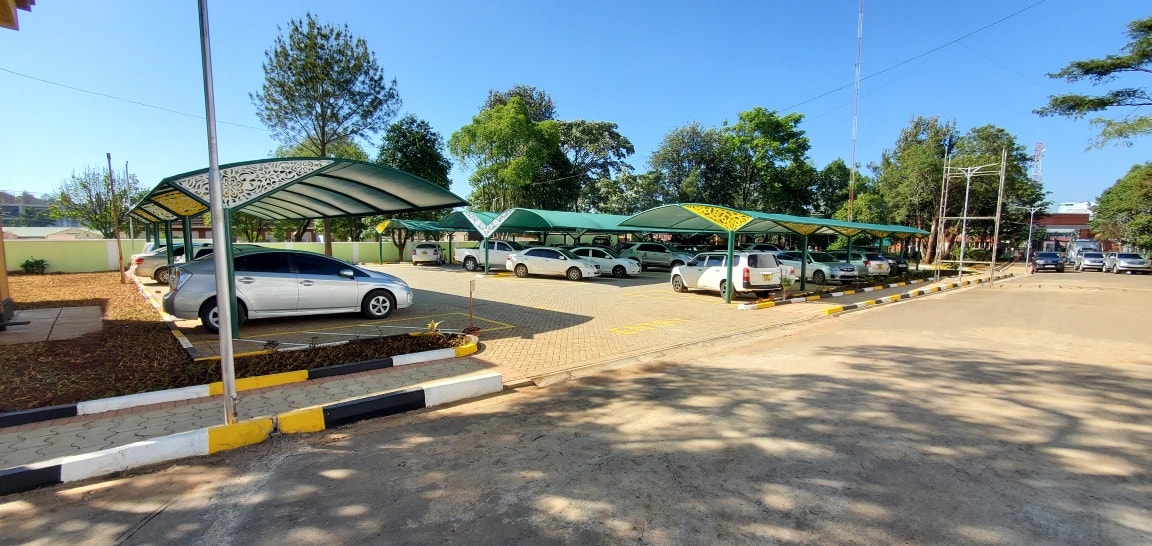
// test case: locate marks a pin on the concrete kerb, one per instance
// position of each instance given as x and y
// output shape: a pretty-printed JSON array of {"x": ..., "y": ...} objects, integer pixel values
[
  {"x": 253, "y": 431},
  {"x": 913, "y": 294},
  {"x": 93, "y": 407},
  {"x": 769, "y": 304}
]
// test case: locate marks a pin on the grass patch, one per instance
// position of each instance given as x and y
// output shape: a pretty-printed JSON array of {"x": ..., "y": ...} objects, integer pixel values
[{"x": 135, "y": 351}]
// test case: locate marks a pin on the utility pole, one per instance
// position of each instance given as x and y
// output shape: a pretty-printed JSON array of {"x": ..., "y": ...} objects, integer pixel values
[
  {"x": 1031, "y": 219},
  {"x": 968, "y": 173},
  {"x": 115, "y": 221}
]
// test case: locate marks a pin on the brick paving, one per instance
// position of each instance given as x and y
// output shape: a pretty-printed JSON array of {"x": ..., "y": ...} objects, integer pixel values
[{"x": 528, "y": 328}]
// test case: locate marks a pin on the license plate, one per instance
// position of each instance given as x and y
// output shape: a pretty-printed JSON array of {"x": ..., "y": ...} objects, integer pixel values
[
  {"x": 767, "y": 276},
  {"x": 423, "y": 252}
]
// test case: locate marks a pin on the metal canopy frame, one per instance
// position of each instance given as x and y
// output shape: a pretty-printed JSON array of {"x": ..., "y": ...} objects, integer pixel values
[{"x": 711, "y": 218}]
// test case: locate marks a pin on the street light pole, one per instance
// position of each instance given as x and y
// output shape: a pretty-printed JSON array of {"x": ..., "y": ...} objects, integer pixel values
[{"x": 1031, "y": 217}]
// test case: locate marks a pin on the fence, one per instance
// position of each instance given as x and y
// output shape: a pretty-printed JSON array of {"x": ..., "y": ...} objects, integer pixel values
[{"x": 91, "y": 255}]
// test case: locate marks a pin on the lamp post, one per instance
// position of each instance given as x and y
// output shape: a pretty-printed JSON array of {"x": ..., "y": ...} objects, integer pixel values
[{"x": 1031, "y": 217}]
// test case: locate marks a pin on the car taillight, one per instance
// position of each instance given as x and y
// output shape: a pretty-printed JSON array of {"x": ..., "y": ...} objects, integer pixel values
[
  {"x": 867, "y": 263},
  {"x": 435, "y": 251},
  {"x": 138, "y": 261},
  {"x": 413, "y": 251},
  {"x": 746, "y": 276}
]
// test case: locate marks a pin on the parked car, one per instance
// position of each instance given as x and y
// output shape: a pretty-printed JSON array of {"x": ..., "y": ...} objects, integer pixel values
[
  {"x": 868, "y": 264},
  {"x": 752, "y": 272},
  {"x": 822, "y": 267},
  {"x": 427, "y": 253},
  {"x": 1118, "y": 262},
  {"x": 154, "y": 265},
  {"x": 761, "y": 247},
  {"x": 1090, "y": 260},
  {"x": 279, "y": 282},
  {"x": 655, "y": 255},
  {"x": 542, "y": 260},
  {"x": 1045, "y": 261},
  {"x": 608, "y": 260},
  {"x": 473, "y": 258}
]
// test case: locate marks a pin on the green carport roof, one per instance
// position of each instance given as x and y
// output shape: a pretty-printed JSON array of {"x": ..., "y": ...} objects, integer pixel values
[
  {"x": 531, "y": 220},
  {"x": 711, "y": 218},
  {"x": 296, "y": 188}
]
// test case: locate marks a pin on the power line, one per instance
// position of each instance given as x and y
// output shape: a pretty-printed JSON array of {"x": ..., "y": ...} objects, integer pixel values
[
  {"x": 910, "y": 59},
  {"x": 129, "y": 101}
]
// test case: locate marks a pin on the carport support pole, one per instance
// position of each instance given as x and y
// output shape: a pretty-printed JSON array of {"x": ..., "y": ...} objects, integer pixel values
[
  {"x": 484, "y": 242},
  {"x": 728, "y": 273},
  {"x": 224, "y": 280},
  {"x": 186, "y": 225},
  {"x": 804, "y": 262},
  {"x": 168, "y": 241}
]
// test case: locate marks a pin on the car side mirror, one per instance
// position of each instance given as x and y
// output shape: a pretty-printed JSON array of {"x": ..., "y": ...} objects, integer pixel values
[{"x": 348, "y": 273}]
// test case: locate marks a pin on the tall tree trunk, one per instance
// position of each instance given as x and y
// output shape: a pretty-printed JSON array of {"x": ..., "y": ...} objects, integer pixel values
[{"x": 327, "y": 236}]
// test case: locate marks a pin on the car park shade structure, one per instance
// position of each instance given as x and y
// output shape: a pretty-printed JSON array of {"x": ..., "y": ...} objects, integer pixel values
[{"x": 698, "y": 217}]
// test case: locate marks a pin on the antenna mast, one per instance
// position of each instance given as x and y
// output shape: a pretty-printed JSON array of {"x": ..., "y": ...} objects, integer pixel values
[
  {"x": 855, "y": 110},
  {"x": 1037, "y": 156}
]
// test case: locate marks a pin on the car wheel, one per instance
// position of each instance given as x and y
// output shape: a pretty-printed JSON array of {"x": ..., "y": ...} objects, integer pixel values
[
  {"x": 677, "y": 263},
  {"x": 378, "y": 304},
  {"x": 210, "y": 315},
  {"x": 723, "y": 287},
  {"x": 521, "y": 270},
  {"x": 818, "y": 277},
  {"x": 470, "y": 264},
  {"x": 161, "y": 275},
  {"x": 619, "y": 272},
  {"x": 678, "y": 284},
  {"x": 574, "y": 274}
]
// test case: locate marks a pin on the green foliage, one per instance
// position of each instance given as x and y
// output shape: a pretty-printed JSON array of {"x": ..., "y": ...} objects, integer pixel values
[
  {"x": 508, "y": 152},
  {"x": 34, "y": 266},
  {"x": 32, "y": 217},
  {"x": 1124, "y": 211},
  {"x": 1136, "y": 57},
  {"x": 250, "y": 228},
  {"x": 768, "y": 161},
  {"x": 693, "y": 166},
  {"x": 411, "y": 145},
  {"x": 830, "y": 189},
  {"x": 631, "y": 193},
  {"x": 868, "y": 208},
  {"x": 88, "y": 199},
  {"x": 322, "y": 86},
  {"x": 596, "y": 151},
  {"x": 539, "y": 103},
  {"x": 909, "y": 175}
]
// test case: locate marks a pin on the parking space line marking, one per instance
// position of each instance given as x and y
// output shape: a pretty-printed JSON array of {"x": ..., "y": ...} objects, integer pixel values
[{"x": 646, "y": 326}]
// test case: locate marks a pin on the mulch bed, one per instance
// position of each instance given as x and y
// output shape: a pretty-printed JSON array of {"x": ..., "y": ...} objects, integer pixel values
[{"x": 136, "y": 352}]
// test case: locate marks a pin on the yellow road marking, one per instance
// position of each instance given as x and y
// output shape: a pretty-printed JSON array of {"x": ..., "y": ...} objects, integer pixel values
[{"x": 645, "y": 326}]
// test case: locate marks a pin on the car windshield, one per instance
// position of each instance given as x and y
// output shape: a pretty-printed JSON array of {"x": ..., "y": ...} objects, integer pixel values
[
  {"x": 1048, "y": 255},
  {"x": 515, "y": 245},
  {"x": 823, "y": 257},
  {"x": 567, "y": 253},
  {"x": 1128, "y": 256},
  {"x": 1093, "y": 255},
  {"x": 609, "y": 252}
]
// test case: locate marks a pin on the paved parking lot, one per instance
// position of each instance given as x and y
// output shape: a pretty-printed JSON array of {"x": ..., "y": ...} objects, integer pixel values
[{"x": 535, "y": 326}]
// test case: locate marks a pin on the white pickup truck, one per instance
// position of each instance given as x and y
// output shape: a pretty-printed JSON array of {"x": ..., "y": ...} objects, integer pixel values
[{"x": 498, "y": 251}]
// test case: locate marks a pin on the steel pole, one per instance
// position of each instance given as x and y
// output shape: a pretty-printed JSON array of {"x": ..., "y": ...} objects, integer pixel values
[
  {"x": 223, "y": 252},
  {"x": 964, "y": 224}
]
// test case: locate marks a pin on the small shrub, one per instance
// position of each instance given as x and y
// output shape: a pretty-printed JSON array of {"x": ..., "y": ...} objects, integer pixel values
[{"x": 33, "y": 266}]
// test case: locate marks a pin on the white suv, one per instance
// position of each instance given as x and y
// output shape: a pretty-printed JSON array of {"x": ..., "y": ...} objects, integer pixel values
[
  {"x": 752, "y": 272},
  {"x": 655, "y": 255}
]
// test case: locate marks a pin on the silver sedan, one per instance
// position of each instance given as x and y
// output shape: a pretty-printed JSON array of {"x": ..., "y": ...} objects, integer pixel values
[{"x": 278, "y": 283}]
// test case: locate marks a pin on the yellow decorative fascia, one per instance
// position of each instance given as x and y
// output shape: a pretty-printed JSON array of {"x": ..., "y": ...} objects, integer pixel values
[
  {"x": 802, "y": 229},
  {"x": 725, "y": 218},
  {"x": 877, "y": 234},
  {"x": 849, "y": 231},
  {"x": 179, "y": 203}
]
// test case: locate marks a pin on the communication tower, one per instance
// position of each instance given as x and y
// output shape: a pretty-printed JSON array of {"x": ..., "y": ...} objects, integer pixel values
[{"x": 1037, "y": 169}]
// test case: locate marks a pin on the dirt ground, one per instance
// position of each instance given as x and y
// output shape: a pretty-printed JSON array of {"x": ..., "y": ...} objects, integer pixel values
[{"x": 1011, "y": 414}]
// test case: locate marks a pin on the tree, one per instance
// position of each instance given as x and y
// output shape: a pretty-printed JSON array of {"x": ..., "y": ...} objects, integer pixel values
[
  {"x": 323, "y": 86},
  {"x": 909, "y": 175},
  {"x": 1124, "y": 211},
  {"x": 341, "y": 227},
  {"x": 596, "y": 151},
  {"x": 88, "y": 199},
  {"x": 539, "y": 103},
  {"x": 1136, "y": 58},
  {"x": 411, "y": 145},
  {"x": 830, "y": 189},
  {"x": 769, "y": 161},
  {"x": 508, "y": 152},
  {"x": 251, "y": 228},
  {"x": 32, "y": 217},
  {"x": 694, "y": 166},
  {"x": 632, "y": 193}
]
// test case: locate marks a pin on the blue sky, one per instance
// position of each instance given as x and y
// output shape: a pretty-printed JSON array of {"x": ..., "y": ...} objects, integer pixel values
[{"x": 648, "y": 66}]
